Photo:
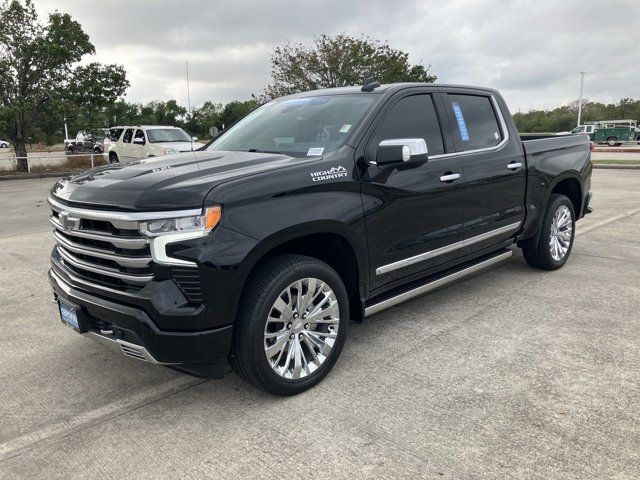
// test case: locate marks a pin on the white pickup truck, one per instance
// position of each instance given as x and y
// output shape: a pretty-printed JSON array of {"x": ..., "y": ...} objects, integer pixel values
[{"x": 143, "y": 141}]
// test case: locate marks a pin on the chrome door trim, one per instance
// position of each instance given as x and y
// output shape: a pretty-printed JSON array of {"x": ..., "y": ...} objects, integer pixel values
[
  {"x": 446, "y": 249},
  {"x": 427, "y": 287}
]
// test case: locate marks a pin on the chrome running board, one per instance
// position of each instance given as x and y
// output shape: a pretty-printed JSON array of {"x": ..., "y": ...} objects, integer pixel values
[{"x": 432, "y": 285}]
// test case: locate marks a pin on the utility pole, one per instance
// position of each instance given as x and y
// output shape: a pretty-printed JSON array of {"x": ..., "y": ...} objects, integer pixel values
[
  {"x": 580, "y": 101},
  {"x": 188, "y": 92}
]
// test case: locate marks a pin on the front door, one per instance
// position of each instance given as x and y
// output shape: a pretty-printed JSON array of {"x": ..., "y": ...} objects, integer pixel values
[
  {"x": 413, "y": 211},
  {"x": 493, "y": 166},
  {"x": 125, "y": 150},
  {"x": 138, "y": 144}
]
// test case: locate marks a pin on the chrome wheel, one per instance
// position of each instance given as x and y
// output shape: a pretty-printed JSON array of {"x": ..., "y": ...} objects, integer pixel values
[
  {"x": 302, "y": 328},
  {"x": 561, "y": 233}
]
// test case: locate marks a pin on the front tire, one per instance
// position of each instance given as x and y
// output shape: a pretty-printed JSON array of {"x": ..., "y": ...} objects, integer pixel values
[
  {"x": 113, "y": 158},
  {"x": 291, "y": 325},
  {"x": 556, "y": 237}
]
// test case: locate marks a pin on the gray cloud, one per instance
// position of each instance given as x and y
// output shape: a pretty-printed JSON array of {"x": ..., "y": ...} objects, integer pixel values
[{"x": 531, "y": 51}]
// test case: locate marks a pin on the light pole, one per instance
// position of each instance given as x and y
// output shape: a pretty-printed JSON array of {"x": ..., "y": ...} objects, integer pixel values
[
  {"x": 66, "y": 132},
  {"x": 580, "y": 101}
]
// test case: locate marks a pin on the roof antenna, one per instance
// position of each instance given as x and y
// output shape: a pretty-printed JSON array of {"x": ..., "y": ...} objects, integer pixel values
[{"x": 370, "y": 84}]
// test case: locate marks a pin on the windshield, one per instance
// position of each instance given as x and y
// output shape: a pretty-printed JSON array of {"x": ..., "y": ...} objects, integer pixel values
[
  {"x": 299, "y": 127},
  {"x": 157, "y": 135},
  {"x": 577, "y": 130}
]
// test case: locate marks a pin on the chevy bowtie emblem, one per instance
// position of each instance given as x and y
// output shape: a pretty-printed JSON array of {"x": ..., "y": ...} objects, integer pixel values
[{"x": 67, "y": 222}]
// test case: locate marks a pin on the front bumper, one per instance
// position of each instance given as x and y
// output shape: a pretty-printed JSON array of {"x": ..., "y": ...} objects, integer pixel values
[{"x": 132, "y": 331}]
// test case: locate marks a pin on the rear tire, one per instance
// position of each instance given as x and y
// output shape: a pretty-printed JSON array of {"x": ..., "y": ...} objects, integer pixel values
[
  {"x": 113, "y": 157},
  {"x": 556, "y": 238},
  {"x": 612, "y": 141},
  {"x": 291, "y": 325}
]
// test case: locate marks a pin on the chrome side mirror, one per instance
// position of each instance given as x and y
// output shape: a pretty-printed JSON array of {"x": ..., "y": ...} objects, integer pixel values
[{"x": 401, "y": 150}]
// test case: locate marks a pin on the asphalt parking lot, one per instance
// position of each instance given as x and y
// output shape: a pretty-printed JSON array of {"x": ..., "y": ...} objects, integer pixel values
[{"x": 514, "y": 373}]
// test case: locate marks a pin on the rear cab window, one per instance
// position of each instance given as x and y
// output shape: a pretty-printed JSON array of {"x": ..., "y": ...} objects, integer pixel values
[{"x": 474, "y": 121}]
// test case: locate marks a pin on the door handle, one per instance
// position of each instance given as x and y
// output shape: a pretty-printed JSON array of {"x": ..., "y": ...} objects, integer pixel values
[
  {"x": 514, "y": 165},
  {"x": 449, "y": 177}
]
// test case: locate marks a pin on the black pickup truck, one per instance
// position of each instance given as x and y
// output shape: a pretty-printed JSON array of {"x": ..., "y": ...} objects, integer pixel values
[{"x": 315, "y": 209}]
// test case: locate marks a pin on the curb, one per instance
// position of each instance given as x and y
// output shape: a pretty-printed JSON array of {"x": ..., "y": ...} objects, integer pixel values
[
  {"x": 617, "y": 150},
  {"x": 35, "y": 175},
  {"x": 613, "y": 166}
]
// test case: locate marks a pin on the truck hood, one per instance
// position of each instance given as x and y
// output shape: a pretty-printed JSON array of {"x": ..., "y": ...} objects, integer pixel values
[{"x": 171, "y": 182}]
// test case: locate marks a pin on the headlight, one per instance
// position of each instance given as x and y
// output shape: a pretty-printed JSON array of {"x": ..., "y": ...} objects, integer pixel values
[
  {"x": 169, "y": 230},
  {"x": 168, "y": 150},
  {"x": 199, "y": 223}
]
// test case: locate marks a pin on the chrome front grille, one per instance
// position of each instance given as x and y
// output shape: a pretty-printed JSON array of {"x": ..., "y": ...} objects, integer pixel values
[{"x": 110, "y": 252}]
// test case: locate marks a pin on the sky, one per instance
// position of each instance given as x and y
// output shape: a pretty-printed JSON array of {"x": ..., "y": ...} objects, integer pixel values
[{"x": 531, "y": 51}]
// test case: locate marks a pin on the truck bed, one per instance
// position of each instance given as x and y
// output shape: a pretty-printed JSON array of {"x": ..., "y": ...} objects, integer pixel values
[{"x": 536, "y": 144}]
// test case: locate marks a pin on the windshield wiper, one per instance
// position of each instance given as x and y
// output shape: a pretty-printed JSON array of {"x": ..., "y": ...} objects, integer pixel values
[{"x": 257, "y": 150}]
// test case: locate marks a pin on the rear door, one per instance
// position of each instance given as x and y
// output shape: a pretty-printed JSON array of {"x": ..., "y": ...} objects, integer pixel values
[
  {"x": 493, "y": 167},
  {"x": 413, "y": 213}
]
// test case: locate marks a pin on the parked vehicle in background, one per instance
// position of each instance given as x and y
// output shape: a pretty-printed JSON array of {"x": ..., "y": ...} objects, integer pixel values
[
  {"x": 110, "y": 140},
  {"x": 98, "y": 143},
  {"x": 4, "y": 144},
  {"x": 84, "y": 143},
  {"x": 609, "y": 132},
  {"x": 585, "y": 129},
  {"x": 143, "y": 141},
  {"x": 315, "y": 209}
]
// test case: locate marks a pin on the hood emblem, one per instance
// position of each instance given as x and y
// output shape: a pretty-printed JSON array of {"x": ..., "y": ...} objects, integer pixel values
[{"x": 67, "y": 222}]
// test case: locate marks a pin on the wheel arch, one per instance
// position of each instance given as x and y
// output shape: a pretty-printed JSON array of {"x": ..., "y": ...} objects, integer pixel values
[
  {"x": 568, "y": 185},
  {"x": 330, "y": 242}
]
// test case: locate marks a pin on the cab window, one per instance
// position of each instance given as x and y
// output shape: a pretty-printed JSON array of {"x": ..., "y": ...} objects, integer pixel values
[
  {"x": 413, "y": 116},
  {"x": 128, "y": 135},
  {"x": 114, "y": 134},
  {"x": 475, "y": 122},
  {"x": 140, "y": 134}
]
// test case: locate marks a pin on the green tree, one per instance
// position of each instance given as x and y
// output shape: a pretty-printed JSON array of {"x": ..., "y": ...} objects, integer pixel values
[
  {"x": 39, "y": 75},
  {"x": 338, "y": 61},
  {"x": 564, "y": 118},
  {"x": 234, "y": 111}
]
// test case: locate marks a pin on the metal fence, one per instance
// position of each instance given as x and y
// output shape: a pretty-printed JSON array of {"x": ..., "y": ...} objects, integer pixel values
[{"x": 57, "y": 158}]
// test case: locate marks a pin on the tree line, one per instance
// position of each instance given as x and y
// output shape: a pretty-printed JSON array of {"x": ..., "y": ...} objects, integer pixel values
[
  {"x": 42, "y": 86},
  {"x": 197, "y": 122},
  {"x": 565, "y": 118}
]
